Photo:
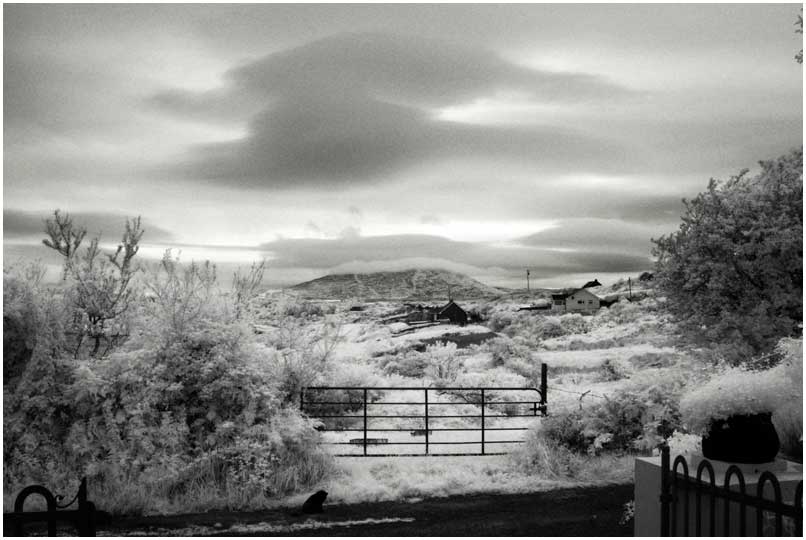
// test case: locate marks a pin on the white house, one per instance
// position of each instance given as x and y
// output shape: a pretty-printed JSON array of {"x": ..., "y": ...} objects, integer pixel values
[{"x": 578, "y": 300}]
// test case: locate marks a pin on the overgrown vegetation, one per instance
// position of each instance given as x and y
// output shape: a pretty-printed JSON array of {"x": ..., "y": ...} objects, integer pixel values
[
  {"x": 190, "y": 402},
  {"x": 733, "y": 272},
  {"x": 187, "y": 409}
]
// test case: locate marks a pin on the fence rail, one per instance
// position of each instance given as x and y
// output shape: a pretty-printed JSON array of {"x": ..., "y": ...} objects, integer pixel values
[
  {"x": 677, "y": 486},
  {"x": 83, "y": 518},
  {"x": 317, "y": 401}
]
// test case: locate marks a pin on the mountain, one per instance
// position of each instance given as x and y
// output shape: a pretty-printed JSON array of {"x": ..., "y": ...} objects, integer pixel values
[{"x": 408, "y": 284}]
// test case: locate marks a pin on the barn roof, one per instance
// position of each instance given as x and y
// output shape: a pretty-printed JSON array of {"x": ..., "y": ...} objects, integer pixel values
[
  {"x": 446, "y": 306},
  {"x": 571, "y": 293}
]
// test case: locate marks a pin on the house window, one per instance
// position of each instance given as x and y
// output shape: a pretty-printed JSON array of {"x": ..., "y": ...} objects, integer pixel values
[
  {"x": 590, "y": 301},
  {"x": 580, "y": 302}
]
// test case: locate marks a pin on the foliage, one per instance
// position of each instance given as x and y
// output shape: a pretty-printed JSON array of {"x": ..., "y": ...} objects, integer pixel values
[
  {"x": 734, "y": 391},
  {"x": 190, "y": 409},
  {"x": 531, "y": 328},
  {"x": 36, "y": 415},
  {"x": 614, "y": 369},
  {"x": 182, "y": 295},
  {"x": 299, "y": 355},
  {"x": 684, "y": 443},
  {"x": 635, "y": 418},
  {"x": 100, "y": 283},
  {"x": 733, "y": 270},
  {"x": 544, "y": 454},
  {"x": 245, "y": 287},
  {"x": 442, "y": 364}
]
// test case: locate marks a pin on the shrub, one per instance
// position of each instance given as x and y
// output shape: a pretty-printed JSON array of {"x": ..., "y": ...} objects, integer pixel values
[
  {"x": 442, "y": 364},
  {"x": 567, "y": 429},
  {"x": 733, "y": 272},
  {"x": 574, "y": 323},
  {"x": 542, "y": 454},
  {"x": 500, "y": 321},
  {"x": 551, "y": 327},
  {"x": 636, "y": 418},
  {"x": 615, "y": 369},
  {"x": 188, "y": 413},
  {"x": 735, "y": 391}
]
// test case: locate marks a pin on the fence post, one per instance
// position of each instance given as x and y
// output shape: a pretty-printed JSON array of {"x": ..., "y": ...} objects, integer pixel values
[
  {"x": 426, "y": 421},
  {"x": 302, "y": 400},
  {"x": 544, "y": 388},
  {"x": 665, "y": 495},
  {"x": 365, "y": 421},
  {"x": 482, "y": 421}
]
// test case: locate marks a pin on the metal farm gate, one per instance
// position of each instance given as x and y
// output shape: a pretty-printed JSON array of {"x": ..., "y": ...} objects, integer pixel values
[{"x": 394, "y": 421}]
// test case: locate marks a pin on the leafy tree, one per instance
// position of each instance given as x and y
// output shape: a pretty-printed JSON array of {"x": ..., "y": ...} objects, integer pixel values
[
  {"x": 101, "y": 282},
  {"x": 733, "y": 270}
]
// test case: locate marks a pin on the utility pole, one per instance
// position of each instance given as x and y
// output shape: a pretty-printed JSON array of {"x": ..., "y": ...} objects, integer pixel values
[
  {"x": 629, "y": 284},
  {"x": 527, "y": 280}
]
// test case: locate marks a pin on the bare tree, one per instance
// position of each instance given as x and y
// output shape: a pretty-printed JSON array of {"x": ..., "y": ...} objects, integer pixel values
[
  {"x": 181, "y": 293},
  {"x": 101, "y": 291},
  {"x": 245, "y": 286}
]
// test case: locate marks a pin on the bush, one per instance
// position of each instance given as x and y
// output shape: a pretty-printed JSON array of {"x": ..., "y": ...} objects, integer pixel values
[
  {"x": 635, "y": 418},
  {"x": 542, "y": 454},
  {"x": 574, "y": 323},
  {"x": 734, "y": 391},
  {"x": 733, "y": 272},
  {"x": 188, "y": 414},
  {"x": 615, "y": 369},
  {"x": 442, "y": 364}
]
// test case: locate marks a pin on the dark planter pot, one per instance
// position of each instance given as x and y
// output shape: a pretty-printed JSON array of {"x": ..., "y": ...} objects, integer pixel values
[{"x": 747, "y": 438}]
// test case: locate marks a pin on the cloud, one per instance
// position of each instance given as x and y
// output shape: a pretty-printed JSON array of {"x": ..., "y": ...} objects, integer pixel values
[
  {"x": 355, "y": 107},
  {"x": 430, "y": 219},
  {"x": 375, "y": 250},
  {"x": 596, "y": 235},
  {"x": 20, "y": 224}
]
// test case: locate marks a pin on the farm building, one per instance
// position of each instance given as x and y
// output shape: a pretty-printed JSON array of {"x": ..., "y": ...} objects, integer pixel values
[
  {"x": 578, "y": 300},
  {"x": 454, "y": 313},
  {"x": 421, "y": 313},
  {"x": 450, "y": 312}
]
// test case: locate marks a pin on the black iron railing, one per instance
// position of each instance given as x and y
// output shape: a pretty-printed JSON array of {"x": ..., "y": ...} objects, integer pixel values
[
  {"x": 360, "y": 406},
  {"x": 82, "y": 518},
  {"x": 677, "y": 487}
]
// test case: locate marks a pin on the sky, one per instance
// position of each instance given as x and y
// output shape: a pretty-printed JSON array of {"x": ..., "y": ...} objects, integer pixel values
[{"x": 485, "y": 139}]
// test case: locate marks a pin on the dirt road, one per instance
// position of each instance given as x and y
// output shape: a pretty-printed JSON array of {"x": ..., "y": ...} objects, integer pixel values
[{"x": 568, "y": 512}]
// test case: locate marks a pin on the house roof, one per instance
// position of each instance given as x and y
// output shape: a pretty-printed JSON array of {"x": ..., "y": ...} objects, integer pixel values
[
  {"x": 446, "y": 306},
  {"x": 571, "y": 293},
  {"x": 594, "y": 283}
]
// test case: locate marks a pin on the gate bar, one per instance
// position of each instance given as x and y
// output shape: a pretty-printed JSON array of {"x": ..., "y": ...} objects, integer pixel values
[
  {"x": 482, "y": 421},
  {"x": 365, "y": 421},
  {"x": 426, "y": 420}
]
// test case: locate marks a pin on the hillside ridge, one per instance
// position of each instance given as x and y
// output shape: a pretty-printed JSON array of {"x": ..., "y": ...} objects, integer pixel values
[{"x": 405, "y": 284}]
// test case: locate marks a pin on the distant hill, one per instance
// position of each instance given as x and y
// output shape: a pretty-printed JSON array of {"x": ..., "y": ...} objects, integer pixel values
[{"x": 408, "y": 284}]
